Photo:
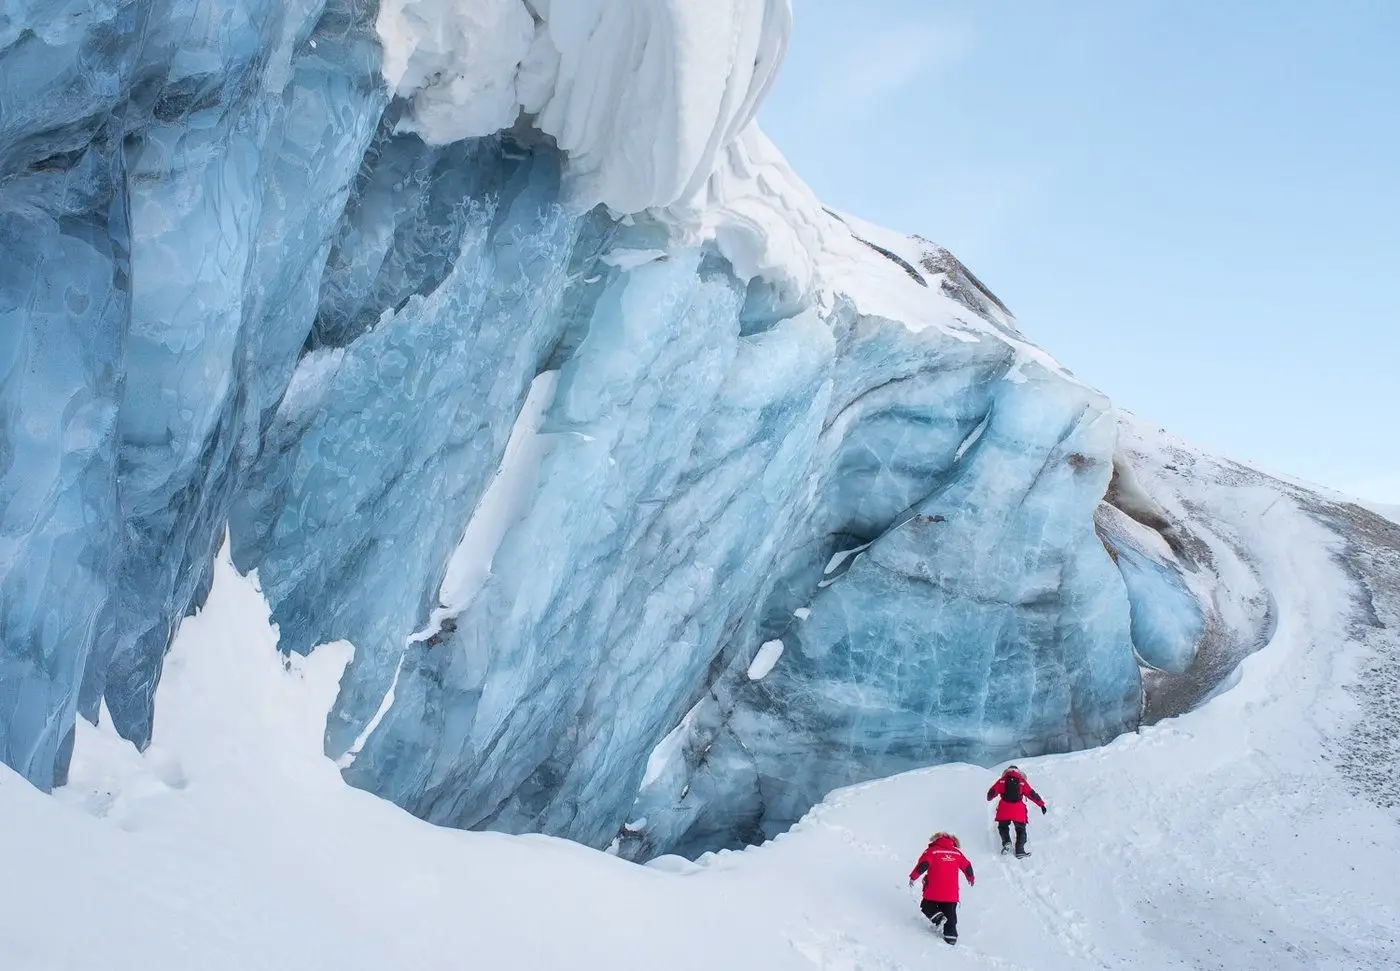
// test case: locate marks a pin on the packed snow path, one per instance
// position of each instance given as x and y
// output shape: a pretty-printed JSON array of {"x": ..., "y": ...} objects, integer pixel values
[
  {"x": 1222, "y": 839},
  {"x": 1229, "y": 838}
]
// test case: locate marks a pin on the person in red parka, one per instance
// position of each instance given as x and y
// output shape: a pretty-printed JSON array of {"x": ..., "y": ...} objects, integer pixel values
[
  {"x": 939, "y": 865},
  {"x": 1013, "y": 790}
]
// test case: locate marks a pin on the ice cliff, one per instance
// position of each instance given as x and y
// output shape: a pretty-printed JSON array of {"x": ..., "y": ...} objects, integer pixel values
[{"x": 655, "y": 499}]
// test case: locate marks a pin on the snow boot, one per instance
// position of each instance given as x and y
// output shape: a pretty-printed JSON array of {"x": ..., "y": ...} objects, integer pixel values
[
  {"x": 1022, "y": 854},
  {"x": 937, "y": 920},
  {"x": 1005, "y": 848},
  {"x": 950, "y": 940}
]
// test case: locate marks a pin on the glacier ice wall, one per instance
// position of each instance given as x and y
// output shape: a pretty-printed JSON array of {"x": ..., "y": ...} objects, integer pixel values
[
  {"x": 246, "y": 289},
  {"x": 170, "y": 175},
  {"x": 949, "y": 599}
]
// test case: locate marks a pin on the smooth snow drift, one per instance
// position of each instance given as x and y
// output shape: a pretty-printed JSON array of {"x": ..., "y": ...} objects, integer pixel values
[{"x": 1226, "y": 838}]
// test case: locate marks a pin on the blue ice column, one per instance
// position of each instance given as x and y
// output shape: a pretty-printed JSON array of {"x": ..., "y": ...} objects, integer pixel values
[
  {"x": 170, "y": 174},
  {"x": 236, "y": 181},
  {"x": 676, "y": 449},
  {"x": 384, "y": 445},
  {"x": 697, "y": 565},
  {"x": 62, "y": 312},
  {"x": 192, "y": 153},
  {"x": 64, "y": 294}
]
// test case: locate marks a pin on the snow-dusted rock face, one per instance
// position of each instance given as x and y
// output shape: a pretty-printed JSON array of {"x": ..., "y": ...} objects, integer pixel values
[{"x": 655, "y": 500}]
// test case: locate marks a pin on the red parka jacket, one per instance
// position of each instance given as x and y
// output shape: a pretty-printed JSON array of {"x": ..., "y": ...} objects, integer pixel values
[
  {"x": 939, "y": 865},
  {"x": 1014, "y": 812}
]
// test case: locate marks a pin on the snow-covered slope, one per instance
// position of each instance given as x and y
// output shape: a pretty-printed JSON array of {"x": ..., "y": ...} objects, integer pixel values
[
  {"x": 1388, "y": 511},
  {"x": 278, "y": 271},
  {"x": 656, "y": 500},
  {"x": 1244, "y": 835}
]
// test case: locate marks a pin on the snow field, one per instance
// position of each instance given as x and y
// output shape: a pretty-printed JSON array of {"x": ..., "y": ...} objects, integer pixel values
[{"x": 232, "y": 843}]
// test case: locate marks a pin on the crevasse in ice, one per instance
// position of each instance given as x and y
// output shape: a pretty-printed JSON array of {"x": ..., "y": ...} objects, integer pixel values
[{"x": 556, "y": 472}]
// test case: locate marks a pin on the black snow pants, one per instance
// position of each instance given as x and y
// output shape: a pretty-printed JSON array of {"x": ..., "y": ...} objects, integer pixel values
[
  {"x": 949, "y": 916},
  {"x": 1004, "y": 828}
]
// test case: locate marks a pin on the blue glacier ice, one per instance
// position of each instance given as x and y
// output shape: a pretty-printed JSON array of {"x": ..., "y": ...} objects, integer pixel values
[
  {"x": 1167, "y": 620},
  {"x": 672, "y": 435},
  {"x": 238, "y": 296},
  {"x": 1011, "y": 633}
]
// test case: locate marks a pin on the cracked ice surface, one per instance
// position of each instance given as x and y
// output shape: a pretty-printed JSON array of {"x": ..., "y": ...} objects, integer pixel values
[
  {"x": 246, "y": 287},
  {"x": 1011, "y": 632}
]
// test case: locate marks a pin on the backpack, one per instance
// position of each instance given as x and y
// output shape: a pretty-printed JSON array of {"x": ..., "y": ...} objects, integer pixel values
[{"x": 1011, "y": 789}]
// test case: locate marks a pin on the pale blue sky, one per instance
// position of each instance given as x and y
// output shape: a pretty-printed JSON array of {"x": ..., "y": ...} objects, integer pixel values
[{"x": 1193, "y": 204}]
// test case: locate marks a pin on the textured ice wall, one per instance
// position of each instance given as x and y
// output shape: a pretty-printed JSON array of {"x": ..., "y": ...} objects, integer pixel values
[
  {"x": 240, "y": 290},
  {"x": 949, "y": 598},
  {"x": 65, "y": 300},
  {"x": 1167, "y": 618},
  {"x": 395, "y": 423},
  {"x": 678, "y": 447},
  {"x": 169, "y": 174}
]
